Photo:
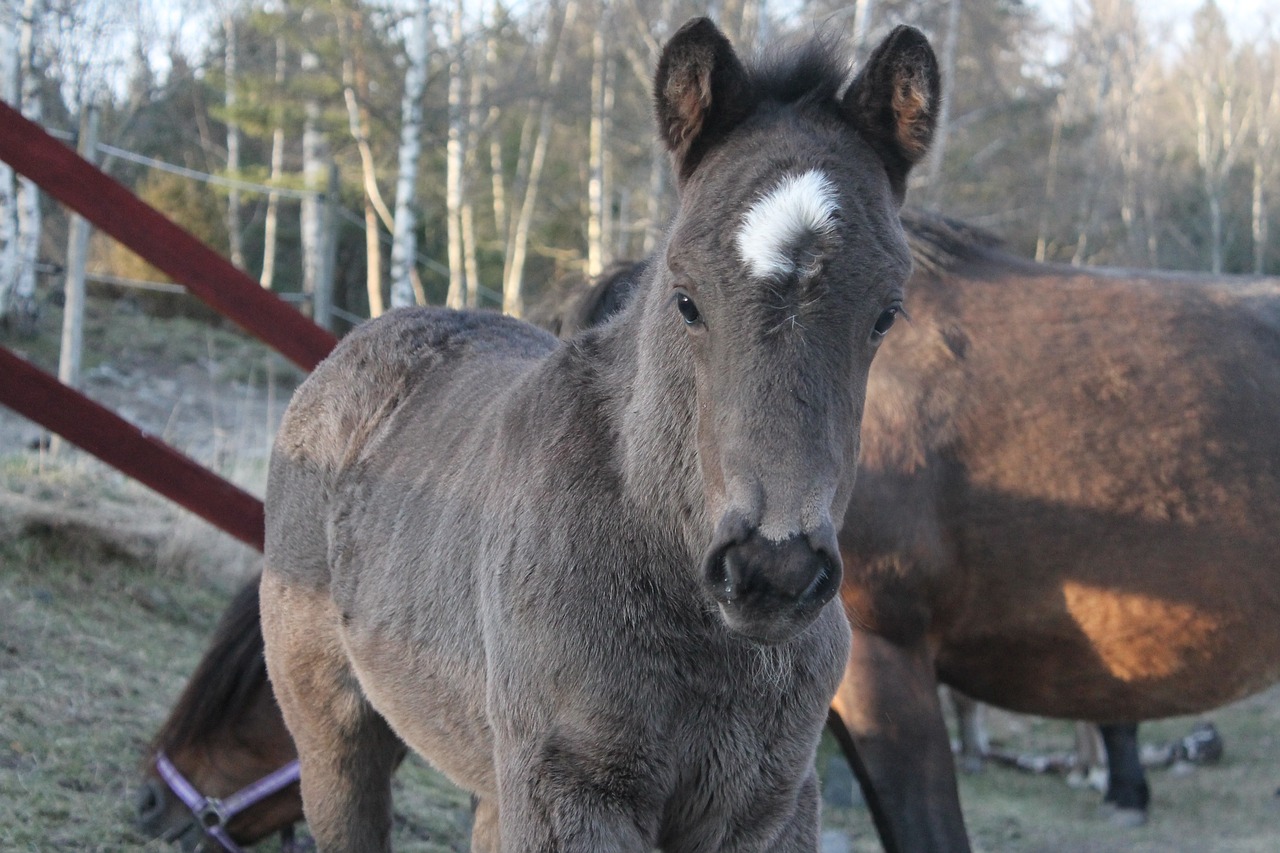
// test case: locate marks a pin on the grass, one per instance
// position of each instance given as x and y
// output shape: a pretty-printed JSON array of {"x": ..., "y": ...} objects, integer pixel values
[
  {"x": 94, "y": 648},
  {"x": 96, "y": 644}
]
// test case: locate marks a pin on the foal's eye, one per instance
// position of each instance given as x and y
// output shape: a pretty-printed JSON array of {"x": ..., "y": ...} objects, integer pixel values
[
  {"x": 688, "y": 310},
  {"x": 885, "y": 322}
]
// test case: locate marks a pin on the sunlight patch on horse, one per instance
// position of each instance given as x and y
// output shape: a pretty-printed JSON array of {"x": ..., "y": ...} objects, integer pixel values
[{"x": 1102, "y": 613}]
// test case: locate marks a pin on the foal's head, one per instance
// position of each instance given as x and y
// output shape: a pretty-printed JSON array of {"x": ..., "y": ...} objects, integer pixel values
[
  {"x": 224, "y": 734},
  {"x": 783, "y": 269}
]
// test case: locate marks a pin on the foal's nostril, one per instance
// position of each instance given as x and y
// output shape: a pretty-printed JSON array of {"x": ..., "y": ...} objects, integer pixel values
[{"x": 825, "y": 581}]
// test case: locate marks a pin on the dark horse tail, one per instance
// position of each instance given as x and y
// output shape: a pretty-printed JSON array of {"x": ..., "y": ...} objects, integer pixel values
[{"x": 884, "y": 827}]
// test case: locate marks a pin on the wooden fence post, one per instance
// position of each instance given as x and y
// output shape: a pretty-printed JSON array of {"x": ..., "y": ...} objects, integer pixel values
[
  {"x": 69, "y": 357},
  {"x": 322, "y": 304}
]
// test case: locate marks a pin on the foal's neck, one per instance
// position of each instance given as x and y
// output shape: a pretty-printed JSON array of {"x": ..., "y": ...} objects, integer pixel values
[{"x": 654, "y": 411}]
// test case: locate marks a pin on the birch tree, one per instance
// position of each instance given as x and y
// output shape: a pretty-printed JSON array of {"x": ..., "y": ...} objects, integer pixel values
[
  {"x": 482, "y": 68},
  {"x": 938, "y": 147},
  {"x": 597, "y": 198},
  {"x": 1266, "y": 81},
  {"x": 404, "y": 247},
  {"x": 512, "y": 286},
  {"x": 1221, "y": 115},
  {"x": 651, "y": 34},
  {"x": 236, "y": 238},
  {"x": 454, "y": 160},
  {"x": 315, "y": 176},
  {"x": 23, "y": 301},
  {"x": 355, "y": 82},
  {"x": 271, "y": 220},
  {"x": 8, "y": 185}
]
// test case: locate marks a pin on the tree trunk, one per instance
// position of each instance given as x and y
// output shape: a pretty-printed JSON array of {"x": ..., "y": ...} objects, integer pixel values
[
  {"x": 404, "y": 245},
  {"x": 271, "y": 225},
  {"x": 938, "y": 148},
  {"x": 23, "y": 306},
  {"x": 1264, "y": 158},
  {"x": 482, "y": 69},
  {"x": 595, "y": 181},
  {"x": 355, "y": 79},
  {"x": 1050, "y": 182},
  {"x": 8, "y": 182},
  {"x": 454, "y": 156},
  {"x": 314, "y": 174},
  {"x": 513, "y": 286},
  {"x": 1260, "y": 208},
  {"x": 233, "y": 145}
]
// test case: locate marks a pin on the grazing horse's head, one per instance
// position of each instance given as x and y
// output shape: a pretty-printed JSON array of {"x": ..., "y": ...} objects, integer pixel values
[
  {"x": 783, "y": 269},
  {"x": 224, "y": 748}
]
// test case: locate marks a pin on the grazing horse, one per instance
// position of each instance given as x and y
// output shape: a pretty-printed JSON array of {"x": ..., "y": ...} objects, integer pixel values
[
  {"x": 1068, "y": 505},
  {"x": 594, "y": 582},
  {"x": 222, "y": 768}
]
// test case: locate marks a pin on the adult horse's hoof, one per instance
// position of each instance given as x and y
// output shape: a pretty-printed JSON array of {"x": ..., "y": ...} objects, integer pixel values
[{"x": 1124, "y": 818}]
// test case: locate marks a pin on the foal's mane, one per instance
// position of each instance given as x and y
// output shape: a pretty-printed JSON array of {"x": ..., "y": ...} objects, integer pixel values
[
  {"x": 227, "y": 678},
  {"x": 788, "y": 73}
]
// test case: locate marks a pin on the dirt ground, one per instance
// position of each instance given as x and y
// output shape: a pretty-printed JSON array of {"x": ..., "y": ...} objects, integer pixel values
[{"x": 108, "y": 594}]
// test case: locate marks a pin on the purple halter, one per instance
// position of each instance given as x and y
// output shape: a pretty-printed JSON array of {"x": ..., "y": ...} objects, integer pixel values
[{"x": 213, "y": 814}]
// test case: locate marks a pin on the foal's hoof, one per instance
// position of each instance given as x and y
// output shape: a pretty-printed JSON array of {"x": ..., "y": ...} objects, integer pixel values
[{"x": 1124, "y": 818}]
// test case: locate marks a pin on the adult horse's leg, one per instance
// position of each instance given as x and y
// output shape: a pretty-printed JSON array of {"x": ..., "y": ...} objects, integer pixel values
[
  {"x": 972, "y": 731},
  {"x": 1127, "y": 789},
  {"x": 896, "y": 739},
  {"x": 347, "y": 752}
]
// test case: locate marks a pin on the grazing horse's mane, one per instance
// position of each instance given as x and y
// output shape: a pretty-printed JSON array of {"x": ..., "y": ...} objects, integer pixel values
[
  {"x": 226, "y": 679},
  {"x": 940, "y": 244}
]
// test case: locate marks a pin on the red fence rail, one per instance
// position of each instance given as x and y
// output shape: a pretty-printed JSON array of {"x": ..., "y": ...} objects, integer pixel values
[
  {"x": 37, "y": 395},
  {"x": 112, "y": 208}
]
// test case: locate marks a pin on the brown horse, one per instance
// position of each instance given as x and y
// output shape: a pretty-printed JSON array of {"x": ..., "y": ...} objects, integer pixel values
[
  {"x": 595, "y": 582},
  {"x": 222, "y": 768},
  {"x": 1068, "y": 505}
]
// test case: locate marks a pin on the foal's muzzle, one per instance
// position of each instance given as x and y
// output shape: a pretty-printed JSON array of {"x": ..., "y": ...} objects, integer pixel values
[{"x": 770, "y": 590}]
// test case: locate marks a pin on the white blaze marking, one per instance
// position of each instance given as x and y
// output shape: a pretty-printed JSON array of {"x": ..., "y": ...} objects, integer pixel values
[{"x": 799, "y": 206}]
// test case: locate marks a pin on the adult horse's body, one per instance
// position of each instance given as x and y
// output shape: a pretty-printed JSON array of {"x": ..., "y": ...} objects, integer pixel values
[
  {"x": 1068, "y": 505},
  {"x": 594, "y": 582}
]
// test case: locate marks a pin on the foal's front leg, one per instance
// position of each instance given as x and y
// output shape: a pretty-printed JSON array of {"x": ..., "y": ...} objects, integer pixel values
[
  {"x": 551, "y": 802},
  {"x": 801, "y": 833},
  {"x": 346, "y": 751}
]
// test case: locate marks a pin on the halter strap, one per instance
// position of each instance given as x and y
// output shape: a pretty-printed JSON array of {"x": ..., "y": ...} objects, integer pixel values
[{"x": 213, "y": 814}]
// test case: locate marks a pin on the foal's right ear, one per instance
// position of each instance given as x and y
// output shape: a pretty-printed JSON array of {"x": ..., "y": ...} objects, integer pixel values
[
  {"x": 699, "y": 92},
  {"x": 894, "y": 102}
]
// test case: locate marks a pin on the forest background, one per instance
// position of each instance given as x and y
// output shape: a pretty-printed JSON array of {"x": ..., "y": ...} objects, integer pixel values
[{"x": 473, "y": 152}]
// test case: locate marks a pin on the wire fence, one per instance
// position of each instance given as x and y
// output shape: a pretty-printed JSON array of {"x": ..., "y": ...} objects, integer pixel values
[{"x": 348, "y": 216}]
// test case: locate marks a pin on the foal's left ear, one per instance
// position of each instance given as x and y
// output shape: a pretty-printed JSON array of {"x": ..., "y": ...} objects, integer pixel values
[
  {"x": 894, "y": 102},
  {"x": 699, "y": 92}
]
